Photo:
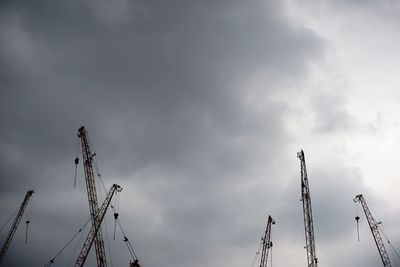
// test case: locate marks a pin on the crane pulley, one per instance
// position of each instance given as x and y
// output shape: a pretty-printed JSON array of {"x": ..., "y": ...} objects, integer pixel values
[
  {"x": 15, "y": 224},
  {"x": 307, "y": 211},
  {"x": 373, "y": 225}
]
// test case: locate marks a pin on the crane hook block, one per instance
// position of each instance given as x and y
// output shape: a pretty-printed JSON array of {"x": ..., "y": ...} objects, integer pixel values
[{"x": 76, "y": 161}]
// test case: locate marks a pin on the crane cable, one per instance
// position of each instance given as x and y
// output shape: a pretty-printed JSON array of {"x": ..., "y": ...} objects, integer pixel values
[
  {"x": 76, "y": 247},
  {"x": 76, "y": 158},
  {"x": 357, "y": 218},
  {"x": 28, "y": 219},
  {"x": 387, "y": 240},
  {"x": 9, "y": 219},
  {"x": 128, "y": 243},
  {"x": 103, "y": 187},
  {"x": 257, "y": 254},
  {"x": 50, "y": 262},
  {"x": 380, "y": 227},
  {"x": 271, "y": 255},
  {"x": 108, "y": 242},
  {"x": 126, "y": 240},
  {"x": 116, "y": 214}
]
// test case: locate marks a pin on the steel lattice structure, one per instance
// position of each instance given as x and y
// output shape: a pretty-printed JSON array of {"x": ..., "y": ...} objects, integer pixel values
[
  {"x": 373, "y": 225},
  {"x": 95, "y": 229},
  {"x": 267, "y": 243},
  {"x": 92, "y": 195},
  {"x": 14, "y": 226},
  {"x": 307, "y": 211}
]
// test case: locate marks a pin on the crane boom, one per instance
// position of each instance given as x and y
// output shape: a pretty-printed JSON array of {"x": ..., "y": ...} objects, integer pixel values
[
  {"x": 373, "y": 225},
  {"x": 308, "y": 219},
  {"x": 92, "y": 195},
  {"x": 99, "y": 216},
  {"x": 15, "y": 225},
  {"x": 267, "y": 243}
]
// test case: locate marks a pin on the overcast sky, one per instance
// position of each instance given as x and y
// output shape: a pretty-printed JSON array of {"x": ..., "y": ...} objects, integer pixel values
[{"x": 197, "y": 109}]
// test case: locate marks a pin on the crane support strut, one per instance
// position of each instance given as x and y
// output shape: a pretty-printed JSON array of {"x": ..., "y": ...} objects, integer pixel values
[
  {"x": 307, "y": 211},
  {"x": 373, "y": 225},
  {"x": 14, "y": 226}
]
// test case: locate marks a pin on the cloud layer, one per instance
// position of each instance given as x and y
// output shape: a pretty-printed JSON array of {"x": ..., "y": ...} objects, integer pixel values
[{"x": 197, "y": 110}]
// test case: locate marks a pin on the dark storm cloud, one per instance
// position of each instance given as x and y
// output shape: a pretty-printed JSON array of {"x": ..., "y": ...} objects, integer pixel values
[{"x": 162, "y": 90}]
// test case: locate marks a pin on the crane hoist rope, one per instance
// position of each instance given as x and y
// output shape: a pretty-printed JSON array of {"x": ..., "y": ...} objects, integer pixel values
[
  {"x": 390, "y": 244},
  {"x": 76, "y": 161},
  {"x": 72, "y": 257},
  {"x": 257, "y": 254},
  {"x": 128, "y": 243},
  {"x": 9, "y": 220},
  {"x": 52, "y": 260}
]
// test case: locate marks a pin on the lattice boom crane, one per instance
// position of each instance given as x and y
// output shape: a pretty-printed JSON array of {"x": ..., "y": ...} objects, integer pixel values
[
  {"x": 95, "y": 229},
  {"x": 267, "y": 243},
  {"x": 373, "y": 225},
  {"x": 308, "y": 219},
  {"x": 92, "y": 195},
  {"x": 14, "y": 226}
]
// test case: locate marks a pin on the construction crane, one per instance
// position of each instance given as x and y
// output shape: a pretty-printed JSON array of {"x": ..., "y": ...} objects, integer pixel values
[
  {"x": 266, "y": 242},
  {"x": 373, "y": 225},
  {"x": 92, "y": 196},
  {"x": 308, "y": 219},
  {"x": 14, "y": 226},
  {"x": 95, "y": 229}
]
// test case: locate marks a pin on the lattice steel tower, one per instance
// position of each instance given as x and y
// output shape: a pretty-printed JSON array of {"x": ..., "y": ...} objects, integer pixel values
[
  {"x": 308, "y": 219},
  {"x": 373, "y": 225},
  {"x": 92, "y": 195},
  {"x": 267, "y": 243}
]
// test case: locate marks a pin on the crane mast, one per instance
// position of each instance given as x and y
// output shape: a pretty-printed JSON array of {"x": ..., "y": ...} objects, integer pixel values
[
  {"x": 95, "y": 229},
  {"x": 308, "y": 219},
  {"x": 373, "y": 225},
  {"x": 92, "y": 196},
  {"x": 267, "y": 243},
  {"x": 14, "y": 226}
]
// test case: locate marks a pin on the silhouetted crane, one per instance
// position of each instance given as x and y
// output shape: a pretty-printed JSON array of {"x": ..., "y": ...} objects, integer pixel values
[
  {"x": 14, "y": 226},
  {"x": 99, "y": 216},
  {"x": 308, "y": 219},
  {"x": 373, "y": 225},
  {"x": 266, "y": 242},
  {"x": 92, "y": 196}
]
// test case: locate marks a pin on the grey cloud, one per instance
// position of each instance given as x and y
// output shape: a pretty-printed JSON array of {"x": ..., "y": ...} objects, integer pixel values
[
  {"x": 331, "y": 115},
  {"x": 161, "y": 89}
]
